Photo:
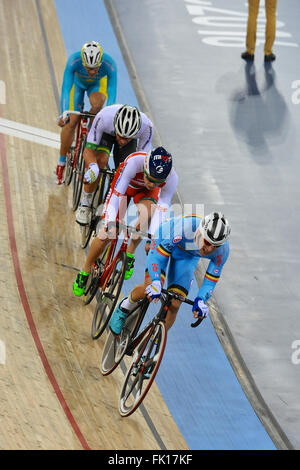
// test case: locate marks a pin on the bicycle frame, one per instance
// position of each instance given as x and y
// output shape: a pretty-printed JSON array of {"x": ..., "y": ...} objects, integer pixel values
[
  {"x": 81, "y": 129},
  {"x": 112, "y": 259},
  {"x": 98, "y": 199},
  {"x": 160, "y": 316}
]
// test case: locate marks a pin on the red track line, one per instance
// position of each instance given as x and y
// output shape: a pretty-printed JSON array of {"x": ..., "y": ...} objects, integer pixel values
[{"x": 24, "y": 300}]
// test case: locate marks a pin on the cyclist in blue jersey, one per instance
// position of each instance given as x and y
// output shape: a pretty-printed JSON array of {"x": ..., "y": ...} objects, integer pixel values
[
  {"x": 178, "y": 245},
  {"x": 90, "y": 71}
]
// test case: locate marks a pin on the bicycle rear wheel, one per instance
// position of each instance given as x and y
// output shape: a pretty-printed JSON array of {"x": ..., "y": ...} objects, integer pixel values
[
  {"x": 88, "y": 230},
  {"x": 78, "y": 175},
  {"x": 94, "y": 278},
  {"x": 107, "y": 303},
  {"x": 97, "y": 206},
  {"x": 142, "y": 369},
  {"x": 68, "y": 174},
  {"x": 115, "y": 346}
]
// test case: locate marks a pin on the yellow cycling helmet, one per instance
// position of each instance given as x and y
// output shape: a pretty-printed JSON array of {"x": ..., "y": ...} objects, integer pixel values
[{"x": 91, "y": 54}]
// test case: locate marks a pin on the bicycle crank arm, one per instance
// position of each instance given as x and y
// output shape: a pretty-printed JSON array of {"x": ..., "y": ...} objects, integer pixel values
[{"x": 109, "y": 295}]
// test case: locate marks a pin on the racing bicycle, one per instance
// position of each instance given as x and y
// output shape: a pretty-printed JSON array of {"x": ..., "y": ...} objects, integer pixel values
[
  {"x": 107, "y": 277},
  {"x": 75, "y": 164},
  {"x": 98, "y": 200},
  {"x": 146, "y": 347}
]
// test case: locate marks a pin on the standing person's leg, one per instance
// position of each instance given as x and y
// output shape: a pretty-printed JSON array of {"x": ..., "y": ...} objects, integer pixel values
[
  {"x": 253, "y": 6},
  {"x": 270, "y": 6}
]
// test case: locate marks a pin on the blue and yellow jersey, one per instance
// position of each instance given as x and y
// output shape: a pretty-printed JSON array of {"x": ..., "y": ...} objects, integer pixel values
[{"x": 76, "y": 76}]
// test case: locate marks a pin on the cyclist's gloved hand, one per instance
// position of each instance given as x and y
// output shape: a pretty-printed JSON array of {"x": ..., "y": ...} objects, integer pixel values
[
  {"x": 154, "y": 289},
  {"x": 61, "y": 121},
  {"x": 92, "y": 173},
  {"x": 200, "y": 307}
]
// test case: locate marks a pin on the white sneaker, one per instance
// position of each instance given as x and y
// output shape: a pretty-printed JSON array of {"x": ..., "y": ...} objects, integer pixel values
[{"x": 83, "y": 215}]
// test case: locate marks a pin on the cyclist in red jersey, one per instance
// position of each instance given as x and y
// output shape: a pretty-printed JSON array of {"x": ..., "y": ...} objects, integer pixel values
[{"x": 151, "y": 181}]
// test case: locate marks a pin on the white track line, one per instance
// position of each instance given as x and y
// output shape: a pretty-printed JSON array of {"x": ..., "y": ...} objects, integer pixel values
[{"x": 33, "y": 134}]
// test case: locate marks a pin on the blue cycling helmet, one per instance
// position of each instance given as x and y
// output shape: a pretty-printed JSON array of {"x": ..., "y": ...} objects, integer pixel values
[{"x": 157, "y": 165}]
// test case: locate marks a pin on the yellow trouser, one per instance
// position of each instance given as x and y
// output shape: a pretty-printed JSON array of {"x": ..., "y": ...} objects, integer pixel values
[{"x": 270, "y": 6}]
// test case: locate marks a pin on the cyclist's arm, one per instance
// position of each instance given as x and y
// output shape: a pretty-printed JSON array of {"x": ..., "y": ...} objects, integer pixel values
[
  {"x": 145, "y": 137},
  {"x": 158, "y": 258},
  {"x": 213, "y": 274},
  {"x": 95, "y": 134},
  {"x": 111, "y": 70},
  {"x": 165, "y": 239},
  {"x": 68, "y": 80},
  {"x": 118, "y": 193},
  {"x": 164, "y": 201}
]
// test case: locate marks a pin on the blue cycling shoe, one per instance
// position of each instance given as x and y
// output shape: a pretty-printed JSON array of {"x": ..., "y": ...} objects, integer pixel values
[{"x": 118, "y": 319}]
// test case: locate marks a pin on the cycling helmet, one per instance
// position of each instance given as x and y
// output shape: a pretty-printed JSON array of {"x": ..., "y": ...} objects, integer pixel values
[
  {"x": 158, "y": 164},
  {"x": 127, "y": 121},
  {"x": 215, "y": 228},
  {"x": 91, "y": 54}
]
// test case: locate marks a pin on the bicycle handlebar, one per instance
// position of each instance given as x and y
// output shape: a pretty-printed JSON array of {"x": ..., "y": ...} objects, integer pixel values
[
  {"x": 128, "y": 228},
  {"x": 107, "y": 171},
  {"x": 197, "y": 322},
  {"x": 102, "y": 170},
  {"x": 177, "y": 296},
  {"x": 85, "y": 114},
  {"x": 187, "y": 301}
]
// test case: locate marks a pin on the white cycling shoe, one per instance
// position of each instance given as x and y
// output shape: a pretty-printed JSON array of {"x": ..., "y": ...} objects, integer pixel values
[{"x": 83, "y": 215}]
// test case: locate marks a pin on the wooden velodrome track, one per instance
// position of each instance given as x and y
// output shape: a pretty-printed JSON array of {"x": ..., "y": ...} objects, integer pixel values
[{"x": 53, "y": 395}]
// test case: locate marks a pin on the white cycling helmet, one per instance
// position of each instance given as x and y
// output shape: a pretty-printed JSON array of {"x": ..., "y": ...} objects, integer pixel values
[
  {"x": 91, "y": 54},
  {"x": 127, "y": 121},
  {"x": 215, "y": 228}
]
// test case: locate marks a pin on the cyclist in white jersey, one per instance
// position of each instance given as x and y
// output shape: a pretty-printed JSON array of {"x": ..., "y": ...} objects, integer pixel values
[{"x": 123, "y": 127}]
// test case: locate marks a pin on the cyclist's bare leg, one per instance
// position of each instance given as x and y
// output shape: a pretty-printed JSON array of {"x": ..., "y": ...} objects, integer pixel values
[
  {"x": 145, "y": 209},
  {"x": 138, "y": 292},
  {"x": 172, "y": 313},
  {"x": 67, "y": 134},
  {"x": 97, "y": 101},
  {"x": 96, "y": 249}
]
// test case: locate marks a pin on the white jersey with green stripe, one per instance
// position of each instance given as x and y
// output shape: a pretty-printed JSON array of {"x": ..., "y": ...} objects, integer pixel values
[{"x": 104, "y": 123}]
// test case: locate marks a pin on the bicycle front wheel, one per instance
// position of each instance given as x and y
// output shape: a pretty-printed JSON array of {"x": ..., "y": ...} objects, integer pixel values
[
  {"x": 69, "y": 167},
  {"x": 109, "y": 297},
  {"x": 115, "y": 346},
  {"x": 142, "y": 369}
]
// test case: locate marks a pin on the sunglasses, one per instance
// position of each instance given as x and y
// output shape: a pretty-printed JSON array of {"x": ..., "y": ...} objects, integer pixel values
[
  {"x": 205, "y": 242},
  {"x": 91, "y": 69},
  {"x": 153, "y": 180}
]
